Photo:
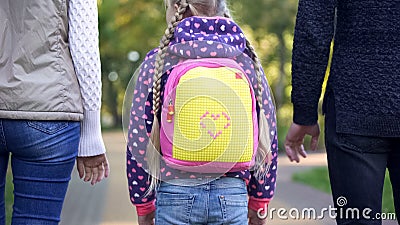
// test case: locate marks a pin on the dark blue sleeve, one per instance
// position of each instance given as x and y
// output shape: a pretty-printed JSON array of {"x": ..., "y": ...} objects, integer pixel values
[{"x": 313, "y": 35}]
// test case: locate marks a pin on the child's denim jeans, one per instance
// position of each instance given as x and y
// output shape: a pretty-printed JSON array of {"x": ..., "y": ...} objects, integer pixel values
[{"x": 211, "y": 201}]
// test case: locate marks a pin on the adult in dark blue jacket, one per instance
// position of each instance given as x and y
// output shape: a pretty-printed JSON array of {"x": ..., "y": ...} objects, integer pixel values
[{"x": 362, "y": 100}]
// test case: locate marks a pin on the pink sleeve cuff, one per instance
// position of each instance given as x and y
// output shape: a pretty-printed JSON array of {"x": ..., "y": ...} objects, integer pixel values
[
  {"x": 146, "y": 208},
  {"x": 257, "y": 204}
]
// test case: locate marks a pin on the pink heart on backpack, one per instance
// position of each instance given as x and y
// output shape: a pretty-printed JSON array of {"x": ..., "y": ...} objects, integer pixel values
[{"x": 215, "y": 117}]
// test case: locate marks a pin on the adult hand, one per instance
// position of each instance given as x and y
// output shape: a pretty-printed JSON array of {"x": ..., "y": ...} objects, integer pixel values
[
  {"x": 254, "y": 219},
  {"x": 93, "y": 168},
  {"x": 295, "y": 138},
  {"x": 147, "y": 219}
]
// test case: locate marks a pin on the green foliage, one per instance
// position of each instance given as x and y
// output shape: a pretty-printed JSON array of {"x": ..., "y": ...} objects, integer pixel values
[
  {"x": 318, "y": 179},
  {"x": 125, "y": 26},
  {"x": 387, "y": 204},
  {"x": 9, "y": 197},
  {"x": 271, "y": 16}
]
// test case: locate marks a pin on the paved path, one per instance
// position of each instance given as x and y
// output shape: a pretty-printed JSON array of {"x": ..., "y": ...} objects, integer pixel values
[
  {"x": 298, "y": 197},
  {"x": 107, "y": 203}
]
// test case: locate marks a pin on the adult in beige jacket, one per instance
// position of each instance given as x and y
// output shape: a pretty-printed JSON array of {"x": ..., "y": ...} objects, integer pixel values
[{"x": 50, "y": 98}]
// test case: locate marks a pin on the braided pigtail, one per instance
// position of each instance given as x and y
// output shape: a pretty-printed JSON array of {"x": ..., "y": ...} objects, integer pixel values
[
  {"x": 223, "y": 9},
  {"x": 264, "y": 155},
  {"x": 153, "y": 147}
]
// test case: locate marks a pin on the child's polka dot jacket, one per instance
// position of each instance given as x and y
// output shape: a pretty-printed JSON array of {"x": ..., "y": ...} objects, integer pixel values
[{"x": 194, "y": 37}]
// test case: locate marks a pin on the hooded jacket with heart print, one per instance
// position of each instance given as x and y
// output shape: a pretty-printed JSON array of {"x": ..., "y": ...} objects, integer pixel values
[{"x": 194, "y": 37}]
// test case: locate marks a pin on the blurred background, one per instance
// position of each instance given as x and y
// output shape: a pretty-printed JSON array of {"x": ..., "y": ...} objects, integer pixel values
[{"x": 128, "y": 30}]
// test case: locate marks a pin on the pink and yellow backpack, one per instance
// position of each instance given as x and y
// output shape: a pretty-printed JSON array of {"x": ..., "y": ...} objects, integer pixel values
[{"x": 209, "y": 117}]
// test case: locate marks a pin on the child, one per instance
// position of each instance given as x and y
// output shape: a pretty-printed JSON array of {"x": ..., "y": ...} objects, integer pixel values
[{"x": 197, "y": 29}]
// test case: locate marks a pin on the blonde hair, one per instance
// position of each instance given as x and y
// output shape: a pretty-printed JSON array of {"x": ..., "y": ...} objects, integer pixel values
[
  {"x": 196, "y": 7},
  {"x": 185, "y": 9}
]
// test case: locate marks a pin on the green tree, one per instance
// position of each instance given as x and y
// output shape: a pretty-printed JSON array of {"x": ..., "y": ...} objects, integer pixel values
[
  {"x": 125, "y": 26},
  {"x": 271, "y": 19}
]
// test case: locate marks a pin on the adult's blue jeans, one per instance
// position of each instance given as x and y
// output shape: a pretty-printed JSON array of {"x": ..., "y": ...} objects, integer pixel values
[
  {"x": 195, "y": 202},
  {"x": 357, "y": 166},
  {"x": 43, "y": 154}
]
